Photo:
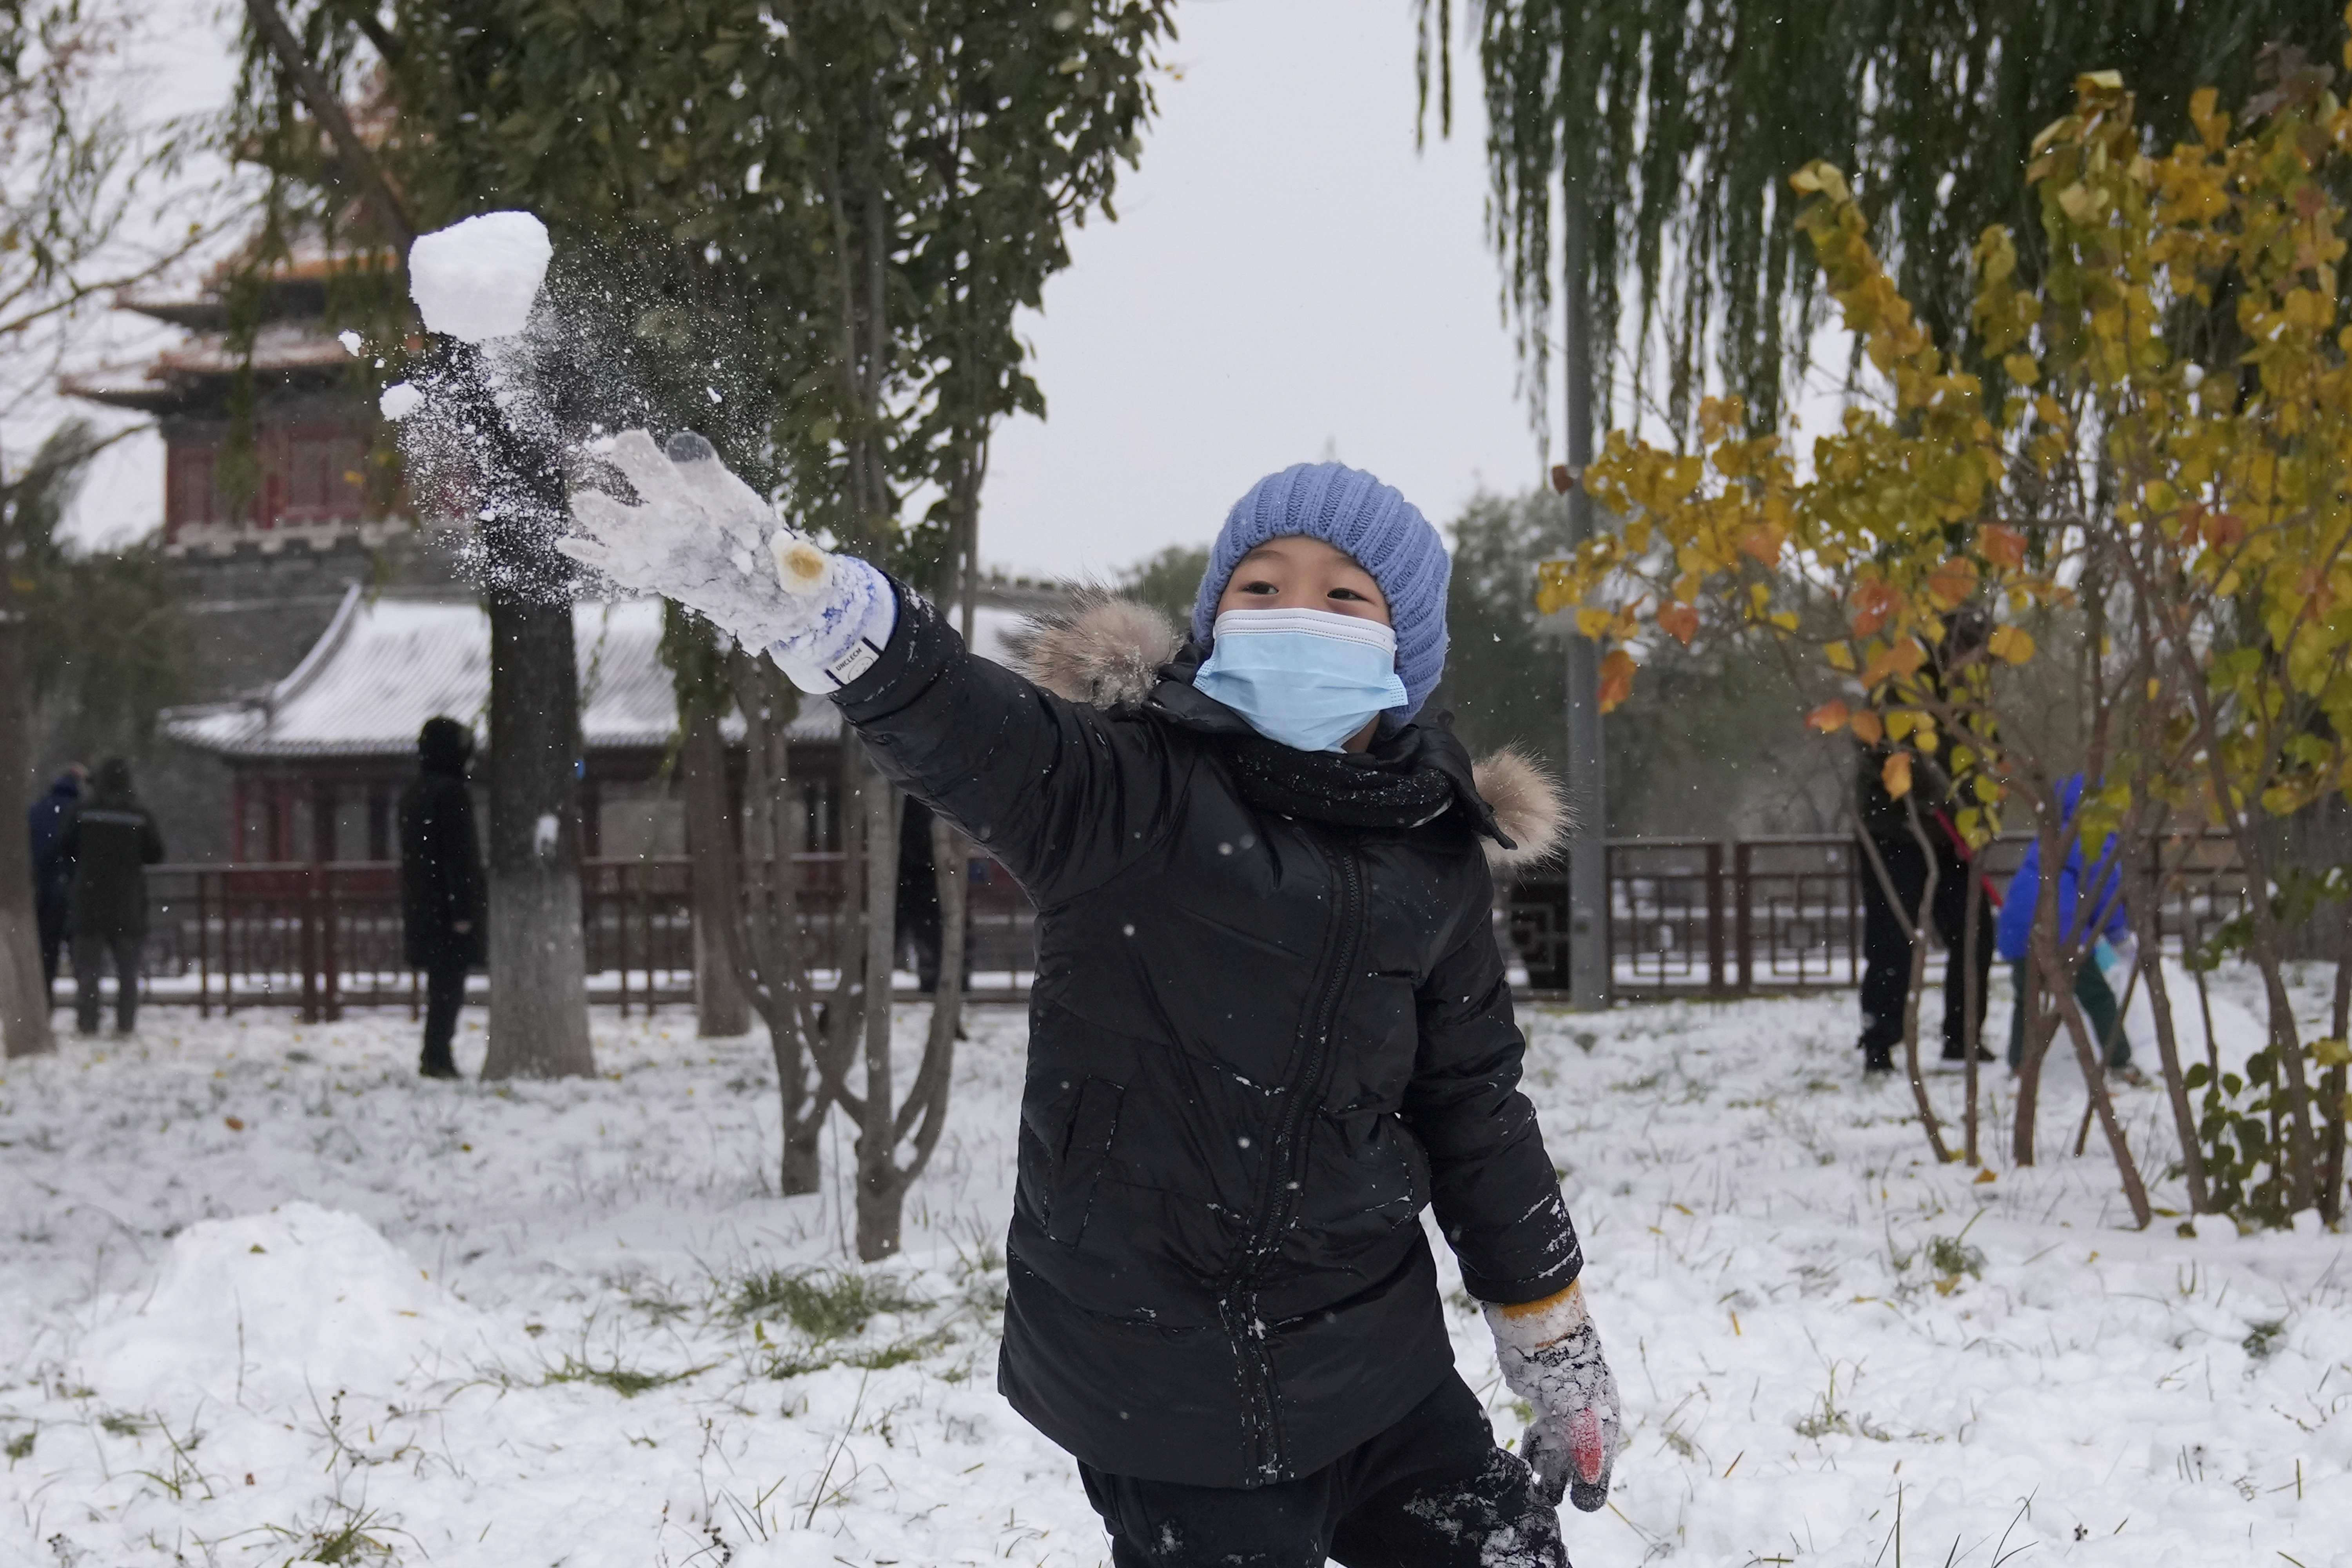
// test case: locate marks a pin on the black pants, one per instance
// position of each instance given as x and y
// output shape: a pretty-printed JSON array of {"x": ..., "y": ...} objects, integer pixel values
[
  {"x": 1432, "y": 1491},
  {"x": 1886, "y": 979},
  {"x": 49, "y": 915},
  {"x": 90, "y": 951},
  {"x": 444, "y": 993}
]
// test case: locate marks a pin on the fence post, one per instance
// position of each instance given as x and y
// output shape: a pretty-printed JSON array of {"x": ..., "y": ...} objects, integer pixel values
[
  {"x": 1715, "y": 975},
  {"x": 1743, "y": 891},
  {"x": 307, "y": 946},
  {"x": 204, "y": 946},
  {"x": 332, "y": 950}
]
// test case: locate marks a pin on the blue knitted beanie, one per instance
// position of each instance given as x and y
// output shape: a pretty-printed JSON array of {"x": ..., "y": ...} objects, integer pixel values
[{"x": 1351, "y": 510}]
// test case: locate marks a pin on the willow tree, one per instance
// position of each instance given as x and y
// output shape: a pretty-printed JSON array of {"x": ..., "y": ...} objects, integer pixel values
[{"x": 1669, "y": 130}]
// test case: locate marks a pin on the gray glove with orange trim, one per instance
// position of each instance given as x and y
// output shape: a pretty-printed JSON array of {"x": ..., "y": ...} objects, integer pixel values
[
  {"x": 1551, "y": 1358},
  {"x": 704, "y": 538}
]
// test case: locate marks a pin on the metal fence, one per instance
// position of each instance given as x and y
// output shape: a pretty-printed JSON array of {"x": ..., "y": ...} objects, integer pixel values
[
  {"x": 324, "y": 937},
  {"x": 1685, "y": 916}
]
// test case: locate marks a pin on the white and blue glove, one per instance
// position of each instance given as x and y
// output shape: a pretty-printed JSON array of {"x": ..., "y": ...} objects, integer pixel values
[{"x": 704, "y": 538}]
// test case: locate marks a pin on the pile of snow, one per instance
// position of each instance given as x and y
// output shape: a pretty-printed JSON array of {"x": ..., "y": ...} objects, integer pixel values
[
  {"x": 476, "y": 280},
  {"x": 277, "y": 1309}
]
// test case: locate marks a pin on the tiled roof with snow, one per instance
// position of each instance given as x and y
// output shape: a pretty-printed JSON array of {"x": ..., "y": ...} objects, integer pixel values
[{"x": 387, "y": 665}]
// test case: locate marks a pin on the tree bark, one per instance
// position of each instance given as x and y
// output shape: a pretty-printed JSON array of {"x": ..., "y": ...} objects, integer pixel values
[
  {"x": 770, "y": 947},
  {"x": 539, "y": 985},
  {"x": 539, "y": 988},
  {"x": 878, "y": 1192},
  {"x": 1915, "y": 929},
  {"x": 2094, "y": 1078},
  {"x": 24, "y": 991},
  {"x": 720, "y": 1008}
]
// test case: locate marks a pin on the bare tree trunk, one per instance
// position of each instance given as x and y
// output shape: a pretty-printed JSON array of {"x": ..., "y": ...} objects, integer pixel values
[
  {"x": 1972, "y": 1014},
  {"x": 879, "y": 1195},
  {"x": 538, "y": 982},
  {"x": 769, "y": 946},
  {"x": 2332, "y": 1106},
  {"x": 24, "y": 991},
  {"x": 2144, "y": 907},
  {"x": 719, "y": 1006},
  {"x": 2094, "y": 1076},
  {"x": 1915, "y": 929}
]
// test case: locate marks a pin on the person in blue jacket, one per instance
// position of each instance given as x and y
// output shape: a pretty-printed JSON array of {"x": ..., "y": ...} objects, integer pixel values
[
  {"x": 2111, "y": 950},
  {"x": 53, "y": 870}
]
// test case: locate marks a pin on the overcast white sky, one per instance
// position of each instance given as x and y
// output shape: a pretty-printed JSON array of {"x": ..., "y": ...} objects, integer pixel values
[{"x": 1289, "y": 278}]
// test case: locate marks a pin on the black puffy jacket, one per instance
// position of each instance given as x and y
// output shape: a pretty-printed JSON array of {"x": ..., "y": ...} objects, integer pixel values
[
  {"x": 441, "y": 881},
  {"x": 1259, "y": 1046}
]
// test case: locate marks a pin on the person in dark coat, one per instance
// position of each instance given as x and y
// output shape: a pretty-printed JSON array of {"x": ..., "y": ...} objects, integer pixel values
[
  {"x": 1886, "y": 951},
  {"x": 111, "y": 839},
  {"x": 441, "y": 883},
  {"x": 52, "y": 871},
  {"x": 1270, "y": 1023}
]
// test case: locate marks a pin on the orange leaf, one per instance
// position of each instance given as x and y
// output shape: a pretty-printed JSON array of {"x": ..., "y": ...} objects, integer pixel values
[
  {"x": 1896, "y": 776},
  {"x": 1681, "y": 620},
  {"x": 1616, "y": 679},
  {"x": 1867, "y": 728},
  {"x": 1874, "y": 601},
  {"x": 1953, "y": 583},
  {"x": 1830, "y": 717},
  {"x": 2002, "y": 546},
  {"x": 1763, "y": 543}
]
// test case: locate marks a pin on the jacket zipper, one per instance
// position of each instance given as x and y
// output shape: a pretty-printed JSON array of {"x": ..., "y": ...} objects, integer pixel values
[{"x": 1285, "y": 1169}]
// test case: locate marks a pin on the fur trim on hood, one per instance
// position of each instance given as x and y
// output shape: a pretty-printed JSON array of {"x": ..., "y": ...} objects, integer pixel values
[
  {"x": 1529, "y": 805},
  {"x": 1106, "y": 652}
]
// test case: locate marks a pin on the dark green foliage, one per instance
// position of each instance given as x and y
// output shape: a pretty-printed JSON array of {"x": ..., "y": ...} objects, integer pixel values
[
  {"x": 1950, "y": 1256},
  {"x": 20, "y": 1446},
  {"x": 2262, "y": 1341},
  {"x": 820, "y": 1304},
  {"x": 1675, "y": 127},
  {"x": 844, "y": 202},
  {"x": 1169, "y": 581},
  {"x": 105, "y": 639},
  {"x": 2239, "y": 1134}
]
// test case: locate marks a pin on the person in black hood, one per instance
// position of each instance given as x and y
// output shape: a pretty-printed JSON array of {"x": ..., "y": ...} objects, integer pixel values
[
  {"x": 441, "y": 883},
  {"x": 1270, "y": 1023},
  {"x": 110, "y": 840},
  {"x": 53, "y": 873}
]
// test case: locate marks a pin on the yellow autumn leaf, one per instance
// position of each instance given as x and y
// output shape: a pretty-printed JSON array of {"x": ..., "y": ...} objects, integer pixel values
[
  {"x": 1896, "y": 776},
  {"x": 1866, "y": 727},
  {"x": 2011, "y": 645},
  {"x": 1840, "y": 655},
  {"x": 2332, "y": 1053},
  {"x": 1593, "y": 623}
]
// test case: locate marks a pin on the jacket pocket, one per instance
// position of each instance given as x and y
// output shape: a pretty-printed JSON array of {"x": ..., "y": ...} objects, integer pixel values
[{"x": 1092, "y": 1126}]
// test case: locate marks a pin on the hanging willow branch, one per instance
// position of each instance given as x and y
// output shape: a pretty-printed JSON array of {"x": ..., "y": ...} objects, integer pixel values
[{"x": 1674, "y": 125}]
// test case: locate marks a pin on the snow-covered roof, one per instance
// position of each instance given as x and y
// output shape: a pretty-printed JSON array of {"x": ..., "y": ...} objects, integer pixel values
[{"x": 385, "y": 665}]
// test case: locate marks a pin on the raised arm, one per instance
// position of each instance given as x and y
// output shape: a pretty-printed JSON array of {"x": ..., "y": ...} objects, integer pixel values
[{"x": 1060, "y": 793}]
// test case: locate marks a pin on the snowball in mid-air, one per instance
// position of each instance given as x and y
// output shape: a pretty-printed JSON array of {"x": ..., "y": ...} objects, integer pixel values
[
  {"x": 399, "y": 401},
  {"x": 475, "y": 280}
]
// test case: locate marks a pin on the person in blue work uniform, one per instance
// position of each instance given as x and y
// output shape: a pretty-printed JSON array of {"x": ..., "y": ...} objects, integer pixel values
[{"x": 2112, "y": 953}]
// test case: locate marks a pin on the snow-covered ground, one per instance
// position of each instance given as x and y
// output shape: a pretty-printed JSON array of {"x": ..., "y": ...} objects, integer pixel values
[{"x": 265, "y": 1296}]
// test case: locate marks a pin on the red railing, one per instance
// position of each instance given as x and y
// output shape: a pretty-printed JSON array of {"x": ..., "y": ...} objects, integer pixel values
[{"x": 1686, "y": 916}]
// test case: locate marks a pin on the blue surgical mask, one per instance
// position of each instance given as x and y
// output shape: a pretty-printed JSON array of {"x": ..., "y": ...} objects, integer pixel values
[{"x": 1308, "y": 678}]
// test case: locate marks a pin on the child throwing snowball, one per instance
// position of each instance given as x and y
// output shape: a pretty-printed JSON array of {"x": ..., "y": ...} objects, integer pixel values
[{"x": 1270, "y": 1024}]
